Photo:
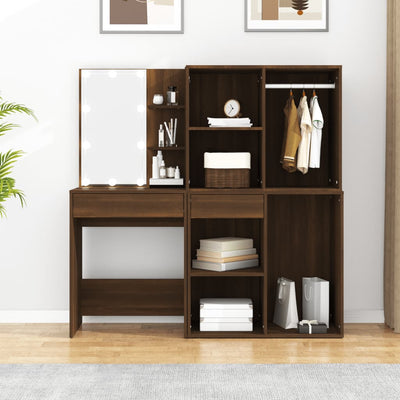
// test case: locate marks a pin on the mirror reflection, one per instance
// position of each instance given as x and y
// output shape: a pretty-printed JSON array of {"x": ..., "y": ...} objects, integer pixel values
[{"x": 113, "y": 127}]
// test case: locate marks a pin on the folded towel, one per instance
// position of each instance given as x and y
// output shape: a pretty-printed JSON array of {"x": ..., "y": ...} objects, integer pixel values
[
  {"x": 229, "y": 122},
  {"x": 227, "y": 160}
]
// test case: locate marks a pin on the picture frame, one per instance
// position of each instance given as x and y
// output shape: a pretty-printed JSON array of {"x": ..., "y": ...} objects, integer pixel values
[
  {"x": 286, "y": 15},
  {"x": 141, "y": 16}
]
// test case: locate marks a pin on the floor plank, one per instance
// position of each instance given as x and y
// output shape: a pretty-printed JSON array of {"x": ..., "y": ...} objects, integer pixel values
[{"x": 164, "y": 343}]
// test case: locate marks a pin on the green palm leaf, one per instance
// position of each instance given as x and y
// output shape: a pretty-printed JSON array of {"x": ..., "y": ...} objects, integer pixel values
[
  {"x": 7, "y": 109},
  {"x": 8, "y": 159}
]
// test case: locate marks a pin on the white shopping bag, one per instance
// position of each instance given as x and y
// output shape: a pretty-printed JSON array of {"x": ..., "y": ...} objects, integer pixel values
[
  {"x": 285, "y": 314},
  {"x": 316, "y": 300}
]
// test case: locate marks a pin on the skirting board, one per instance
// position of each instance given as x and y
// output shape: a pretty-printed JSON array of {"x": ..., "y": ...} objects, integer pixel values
[
  {"x": 42, "y": 317},
  {"x": 364, "y": 316},
  {"x": 55, "y": 317}
]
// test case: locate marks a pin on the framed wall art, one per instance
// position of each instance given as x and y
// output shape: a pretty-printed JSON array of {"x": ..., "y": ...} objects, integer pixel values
[
  {"x": 141, "y": 16},
  {"x": 286, "y": 15}
]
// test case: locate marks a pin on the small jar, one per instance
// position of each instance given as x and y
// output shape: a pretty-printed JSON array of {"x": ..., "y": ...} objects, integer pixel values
[
  {"x": 170, "y": 172},
  {"x": 158, "y": 99},
  {"x": 172, "y": 95}
]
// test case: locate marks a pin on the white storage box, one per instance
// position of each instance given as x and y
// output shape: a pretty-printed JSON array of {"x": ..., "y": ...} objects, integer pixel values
[
  {"x": 227, "y": 160},
  {"x": 230, "y": 314},
  {"x": 226, "y": 326},
  {"x": 226, "y": 304}
]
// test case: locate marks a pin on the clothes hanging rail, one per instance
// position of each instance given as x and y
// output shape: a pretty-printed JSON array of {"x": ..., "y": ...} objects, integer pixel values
[{"x": 300, "y": 86}]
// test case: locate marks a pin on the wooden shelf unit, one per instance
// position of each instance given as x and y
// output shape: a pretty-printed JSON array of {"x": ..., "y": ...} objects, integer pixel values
[{"x": 295, "y": 220}]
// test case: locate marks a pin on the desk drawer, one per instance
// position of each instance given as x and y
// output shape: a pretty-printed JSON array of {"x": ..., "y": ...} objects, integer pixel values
[
  {"x": 128, "y": 205},
  {"x": 227, "y": 206}
]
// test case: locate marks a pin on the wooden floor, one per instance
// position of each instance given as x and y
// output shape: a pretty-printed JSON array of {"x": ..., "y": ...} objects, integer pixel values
[{"x": 164, "y": 343}]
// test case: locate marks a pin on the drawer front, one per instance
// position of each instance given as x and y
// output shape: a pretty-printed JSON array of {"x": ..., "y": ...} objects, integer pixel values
[
  {"x": 128, "y": 205},
  {"x": 227, "y": 206}
]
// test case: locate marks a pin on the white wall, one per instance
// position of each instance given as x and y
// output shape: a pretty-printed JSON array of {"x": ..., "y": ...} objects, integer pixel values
[{"x": 43, "y": 43}]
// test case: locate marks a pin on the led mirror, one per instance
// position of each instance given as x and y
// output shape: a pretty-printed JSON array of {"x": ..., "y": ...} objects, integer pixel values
[{"x": 113, "y": 127}]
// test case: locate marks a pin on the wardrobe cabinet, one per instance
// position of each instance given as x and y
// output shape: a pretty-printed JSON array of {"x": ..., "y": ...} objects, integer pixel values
[{"x": 295, "y": 220}]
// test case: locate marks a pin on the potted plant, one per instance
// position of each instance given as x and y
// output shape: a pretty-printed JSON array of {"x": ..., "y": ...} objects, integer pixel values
[{"x": 8, "y": 159}]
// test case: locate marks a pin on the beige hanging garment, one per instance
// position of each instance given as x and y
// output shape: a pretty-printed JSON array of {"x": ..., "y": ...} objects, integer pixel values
[
  {"x": 303, "y": 155},
  {"x": 291, "y": 137}
]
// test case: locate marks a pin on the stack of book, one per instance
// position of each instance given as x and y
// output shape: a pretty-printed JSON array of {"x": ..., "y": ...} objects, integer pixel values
[
  {"x": 229, "y": 122},
  {"x": 226, "y": 315},
  {"x": 226, "y": 254}
]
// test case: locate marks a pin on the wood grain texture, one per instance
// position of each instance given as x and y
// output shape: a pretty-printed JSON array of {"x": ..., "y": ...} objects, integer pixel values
[
  {"x": 226, "y": 206},
  {"x": 329, "y": 175},
  {"x": 296, "y": 221},
  {"x": 165, "y": 344},
  {"x": 117, "y": 205},
  {"x": 158, "y": 81},
  {"x": 131, "y": 296}
]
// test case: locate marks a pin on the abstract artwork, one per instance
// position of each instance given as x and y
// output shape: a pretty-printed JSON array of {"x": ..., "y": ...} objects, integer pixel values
[
  {"x": 141, "y": 16},
  {"x": 286, "y": 15}
]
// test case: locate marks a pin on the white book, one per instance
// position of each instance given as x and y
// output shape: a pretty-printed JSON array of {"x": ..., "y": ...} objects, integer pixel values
[
  {"x": 226, "y": 254},
  {"x": 226, "y": 303},
  {"x": 220, "y": 313},
  {"x": 226, "y": 326},
  {"x": 221, "y": 267},
  {"x": 226, "y": 244},
  {"x": 238, "y": 320}
]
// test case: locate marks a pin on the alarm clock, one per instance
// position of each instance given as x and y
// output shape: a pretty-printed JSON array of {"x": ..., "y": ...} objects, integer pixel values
[{"x": 232, "y": 108}]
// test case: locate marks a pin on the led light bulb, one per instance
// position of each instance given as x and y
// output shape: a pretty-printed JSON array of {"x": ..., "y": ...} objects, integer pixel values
[
  {"x": 86, "y": 145},
  {"x": 85, "y": 182},
  {"x": 140, "y": 74},
  {"x": 112, "y": 182},
  {"x": 140, "y": 182}
]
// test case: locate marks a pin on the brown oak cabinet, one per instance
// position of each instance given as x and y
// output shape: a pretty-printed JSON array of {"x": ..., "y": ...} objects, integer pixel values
[{"x": 295, "y": 220}]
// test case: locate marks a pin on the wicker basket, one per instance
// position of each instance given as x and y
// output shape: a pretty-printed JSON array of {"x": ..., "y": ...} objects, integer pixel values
[{"x": 227, "y": 178}]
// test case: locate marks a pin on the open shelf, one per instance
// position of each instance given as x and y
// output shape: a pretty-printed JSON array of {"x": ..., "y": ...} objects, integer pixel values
[
  {"x": 258, "y": 332},
  {"x": 210, "y": 89},
  {"x": 203, "y": 141},
  {"x": 305, "y": 240},
  {"x": 158, "y": 81},
  {"x": 329, "y": 173},
  {"x": 239, "y": 272},
  {"x": 227, "y": 287},
  {"x": 165, "y": 107},
  {"x": 274, "y": 331},
  {"x": 225, "y": 128},
  {"x": 169, "y": 148}
]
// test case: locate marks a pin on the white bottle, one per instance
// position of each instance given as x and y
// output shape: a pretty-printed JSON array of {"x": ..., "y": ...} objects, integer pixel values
[
  {"x": 163, "y": 171},
  {"x": 159, "y": 158},
  {"x": 177, "y": 173},
  {"x": 161, "y": 142},
  {"x": 155, "y": 168}
]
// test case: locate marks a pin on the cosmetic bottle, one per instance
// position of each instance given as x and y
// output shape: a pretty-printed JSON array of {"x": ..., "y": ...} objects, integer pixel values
[
  {"x": 161, "y": 142},
  {"x": 163, "y": 171},
  {"x": 177, "y": 173},
  {"x": 159, "y": 158},
  {"x": 155, "y": 168}
]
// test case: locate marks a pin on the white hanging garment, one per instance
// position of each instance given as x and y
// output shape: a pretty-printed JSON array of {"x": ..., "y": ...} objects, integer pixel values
[
  {"x": 317, "y": 120},
  {"x": 303, "y": 154}
]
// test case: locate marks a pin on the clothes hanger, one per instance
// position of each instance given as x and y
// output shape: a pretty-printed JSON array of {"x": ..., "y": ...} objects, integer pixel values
[
  {"x": 313, "y": 92},
  {"x": 304, "y": 92}
]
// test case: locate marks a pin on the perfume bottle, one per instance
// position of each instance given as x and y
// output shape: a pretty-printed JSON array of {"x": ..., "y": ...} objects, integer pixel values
[
  {"x": 171, "y": 95},
  {"x": 163, "y": 171}
]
